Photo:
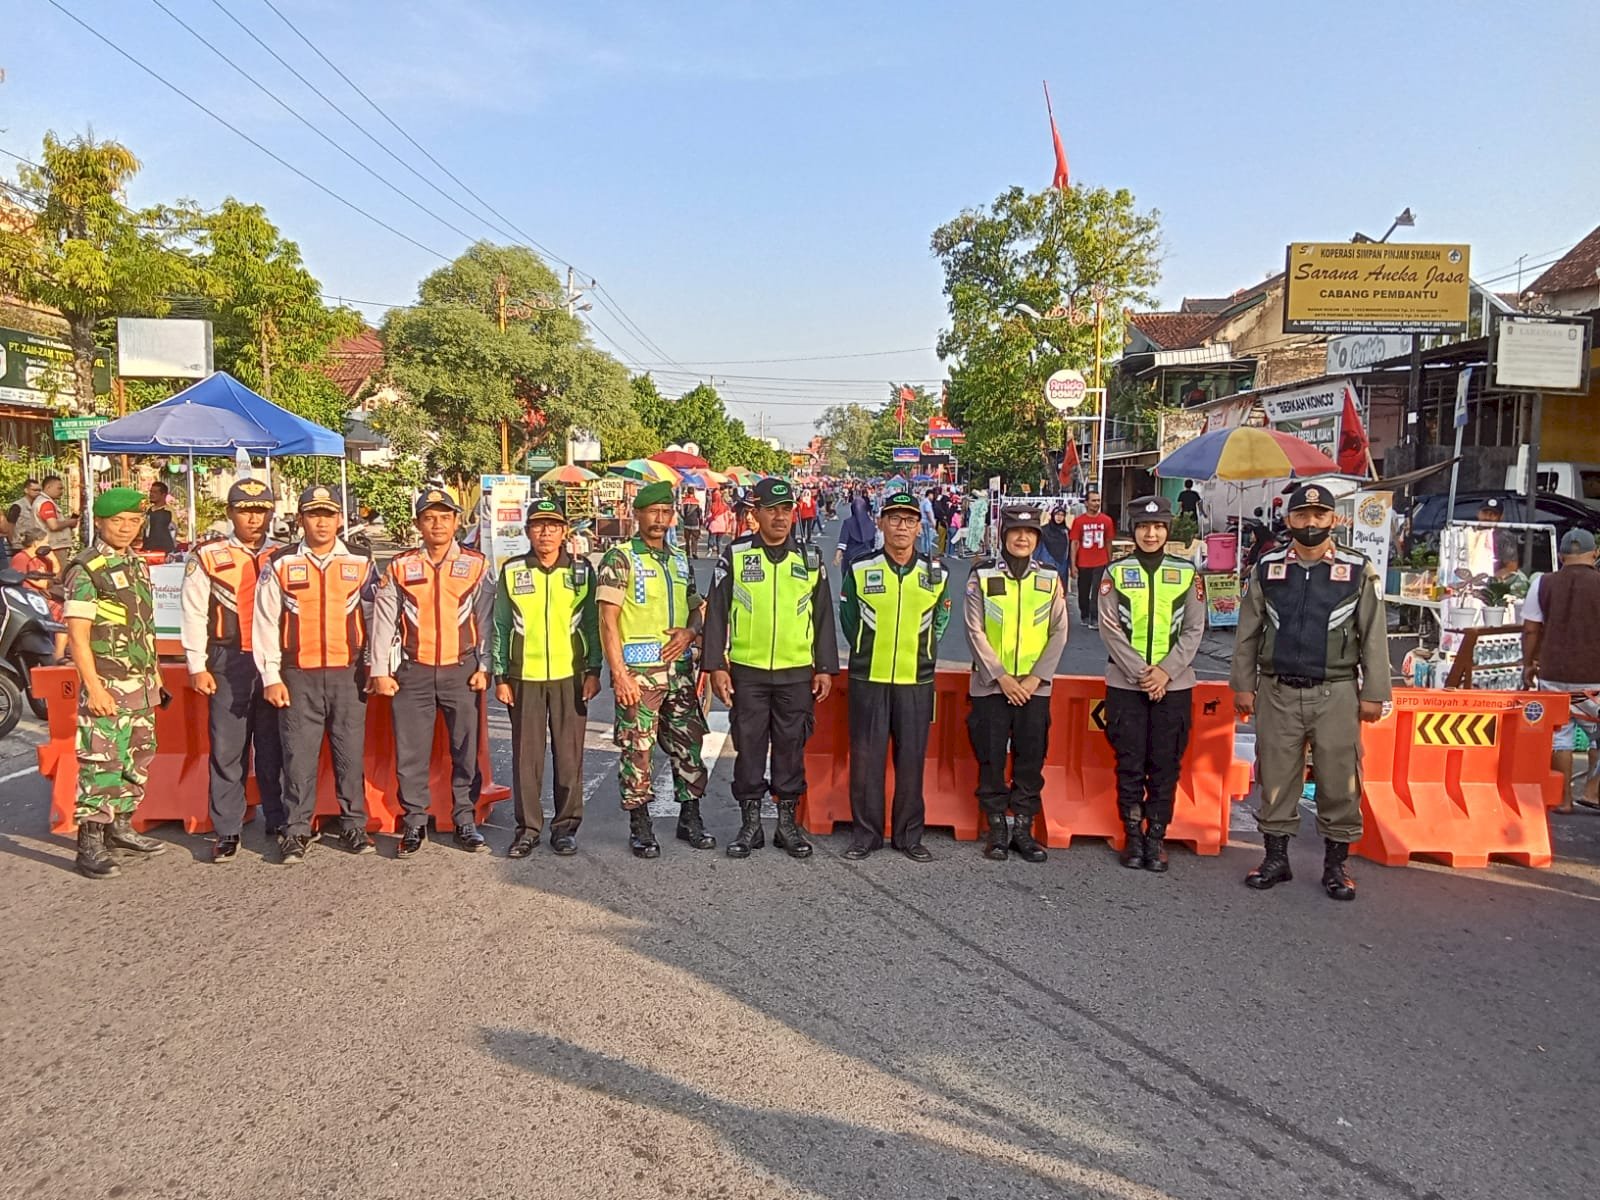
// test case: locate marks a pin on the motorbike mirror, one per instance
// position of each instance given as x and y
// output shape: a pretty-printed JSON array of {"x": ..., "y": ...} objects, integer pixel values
[{"x": 10, "y": 578}]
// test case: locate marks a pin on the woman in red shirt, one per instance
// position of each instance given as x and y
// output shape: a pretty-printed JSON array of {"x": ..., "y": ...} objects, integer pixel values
[{"x": 37, "y": 558}]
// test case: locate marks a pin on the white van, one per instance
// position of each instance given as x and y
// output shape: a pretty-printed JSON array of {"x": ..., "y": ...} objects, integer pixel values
[{"x": 1574, "y": 480}]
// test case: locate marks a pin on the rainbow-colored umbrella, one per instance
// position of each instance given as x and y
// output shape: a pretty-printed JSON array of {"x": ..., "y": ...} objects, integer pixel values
[
  {"x": 568, "y": 474},
  {"x": 741, "y": 475},
  {"x": 1245, "y": 452},
  {"x": 644, "y": 471}
]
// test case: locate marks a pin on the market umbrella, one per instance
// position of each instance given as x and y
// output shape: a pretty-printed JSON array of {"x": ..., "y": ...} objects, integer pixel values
[
  {"x": 568, "y": 474},
  {"x": 694, "y": 479},
  {"x": 1245, "y": 452},
  {"x": 679, "y": 459},
  {"x": 741, "y": 475},
  {"x": 644, "y": 471}
]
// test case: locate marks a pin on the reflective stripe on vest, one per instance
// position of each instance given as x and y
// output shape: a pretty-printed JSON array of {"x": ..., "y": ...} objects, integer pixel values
[
  {"x": 657, "y": 600},
  {"x": 232, "y": 571},
  {"x": 895, "y": 641},
  {"x": 1016, "y": 615},
  {"x": 546, "y": 611},
  {"x": 323, "y": 623},
  {"x": 1150, "y": 604},
  {"x": 438, "y": 625},
  {"x": 770, "y": 619}
]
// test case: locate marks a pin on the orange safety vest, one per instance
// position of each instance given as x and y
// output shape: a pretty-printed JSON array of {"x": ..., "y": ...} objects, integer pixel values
[
  {"x": 323, "y": 623},
  {"x": 438, "y": 624},
  {"x": 233, "y": 571}
]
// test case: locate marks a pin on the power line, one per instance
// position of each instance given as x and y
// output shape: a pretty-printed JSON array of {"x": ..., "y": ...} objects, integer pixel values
[
  {"x": 226, "y": 124},
  {"x": 736, "y": 362},
  {"x": 356, "y": 125},
  {"x": 298, "y": 116}
]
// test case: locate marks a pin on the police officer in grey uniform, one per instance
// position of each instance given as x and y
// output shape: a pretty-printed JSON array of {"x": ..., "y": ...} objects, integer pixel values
[{"x": 1311, "y": 662}]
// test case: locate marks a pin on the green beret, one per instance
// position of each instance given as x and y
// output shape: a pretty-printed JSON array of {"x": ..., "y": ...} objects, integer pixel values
[
  {"x": 653, "y": 493},
  {"x": 116, "y": 501}
]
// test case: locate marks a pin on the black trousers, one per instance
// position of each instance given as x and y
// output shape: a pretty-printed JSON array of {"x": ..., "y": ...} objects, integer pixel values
[
  {"x": 1089, "y": 593},
  {"x": 554, "y": 708},
  {"x": 323, "y": 703},
  {"x": 769, "y": 715},
  {"x": 424, "y": 692},
  {"x": 881, "y": 713},
  {"x": 243, "y": 727},
  {"x": 997, "y": 726},
  {"x": 1149, "y": 738}
]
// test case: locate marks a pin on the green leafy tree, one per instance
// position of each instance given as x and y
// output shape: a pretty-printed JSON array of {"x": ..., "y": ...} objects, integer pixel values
[
  {"x": 272, "y": 331},
  {"x": 465, "y": 375},
  {"x": 85, "y": 252},
  {"x": 848, "y": 430},
  {"x": 1059, "y": 254}
]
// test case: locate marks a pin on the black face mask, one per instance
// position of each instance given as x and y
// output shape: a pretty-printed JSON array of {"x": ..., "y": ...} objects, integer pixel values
[{"x": 1311, "y": 536}]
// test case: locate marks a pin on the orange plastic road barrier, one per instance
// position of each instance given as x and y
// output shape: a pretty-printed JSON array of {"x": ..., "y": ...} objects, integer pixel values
[
  {"x": 1463, "y": 776},
  {"x": 1080, "y": 769},
  {"x": 179, "y": 785}
]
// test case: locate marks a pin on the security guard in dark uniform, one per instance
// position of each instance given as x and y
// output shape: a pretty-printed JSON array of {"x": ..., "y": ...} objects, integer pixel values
[
  {"x": 309, "y": 640},
  {"x": 431, "y": 621},
  {"x": 772, "y": 652},
  {"x": 546, "y": 656},
  {"x": 218, "y": 601},
  {"x": 1016, "y": 617},
  {"x": 1152, "y": 617},
  {"x": 894, "y": 607},
  {"x": 1311, "y": 662}
]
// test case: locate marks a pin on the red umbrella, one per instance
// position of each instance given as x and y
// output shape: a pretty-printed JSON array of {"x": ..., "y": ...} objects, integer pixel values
[{"x": 680, "y": 460}]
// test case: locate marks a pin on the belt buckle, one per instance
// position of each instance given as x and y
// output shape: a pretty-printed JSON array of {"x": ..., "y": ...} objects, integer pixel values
[{"x": 1298, "y": 682}]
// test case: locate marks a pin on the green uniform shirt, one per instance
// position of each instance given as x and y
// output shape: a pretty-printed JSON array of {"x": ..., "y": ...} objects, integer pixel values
[{"x": 112, "y": 589}]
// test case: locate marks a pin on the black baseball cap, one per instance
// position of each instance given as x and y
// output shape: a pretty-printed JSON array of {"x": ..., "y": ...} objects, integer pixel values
[
  {"x": 545, "y": 509},
  {"x": 432, "y": 497},
  {"x": 321, "y": 498},
  {"x": 251, "y": 494},
  {"x": 1310, "y": 495},
  {"x": 901, "y": 499},
  {"x": 770, "y": 493}
]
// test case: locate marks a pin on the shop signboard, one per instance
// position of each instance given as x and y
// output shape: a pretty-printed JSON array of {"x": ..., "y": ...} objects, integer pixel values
[
  {"x": 1376, "y": 287},
  {"x": 1222, "y": 600},
  {"x": 906, "y": 454},
  {"x": 36, "y": 371},
  {"x": 166, "y": 585},
  {"x": 75, "y": 429},
  {"x": 1542, "y": 354},
  {"x": 1310, "y": 413},
  {"x": 501, "y": 507},
  {"x": 1358, "y": 352},
  {"x": 1369, "y": 527},
  {"x": 1179, "y": 426}
]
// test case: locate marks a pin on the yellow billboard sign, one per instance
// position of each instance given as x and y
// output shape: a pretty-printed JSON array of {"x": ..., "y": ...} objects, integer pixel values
[{"x": 1376, "y": 287}]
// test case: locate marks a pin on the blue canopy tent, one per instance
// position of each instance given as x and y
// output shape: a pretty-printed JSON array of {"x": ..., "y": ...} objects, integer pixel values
[{"x": 218, "y": 416}]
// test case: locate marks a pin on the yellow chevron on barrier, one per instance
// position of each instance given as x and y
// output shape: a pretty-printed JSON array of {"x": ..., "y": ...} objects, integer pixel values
[
  {"x": 1097, "y": 716},
  {"x": 1456, "y": 729}
]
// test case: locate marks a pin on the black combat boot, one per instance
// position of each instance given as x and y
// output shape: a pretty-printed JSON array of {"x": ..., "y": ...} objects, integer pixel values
[
  {"x": 93, "y": 861},
  {"x": 994, "y": 845},
  {"x": 641, "y": 837},
  {"x": 749, "y": 836},
  {"x": 1155, "y": 847},
  {"x": 1336, "y": 880},
  {"x": 789, "y": 837},
  {"x": 1022, "y": 840},
  {"x": 690, "y": 828},
  {"x": 120, "y": 836},
  {"x": 1274, "y": 867},
  {"x": 1133, "y": 825}
]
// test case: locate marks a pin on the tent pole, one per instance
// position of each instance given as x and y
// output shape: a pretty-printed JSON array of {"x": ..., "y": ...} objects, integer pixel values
[
  {"x": 193, "y": 533},
  {"x": 344, "y": 491}
]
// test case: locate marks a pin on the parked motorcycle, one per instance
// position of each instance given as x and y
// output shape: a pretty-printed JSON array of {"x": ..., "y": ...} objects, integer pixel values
[{"x": 27, "y": 642}]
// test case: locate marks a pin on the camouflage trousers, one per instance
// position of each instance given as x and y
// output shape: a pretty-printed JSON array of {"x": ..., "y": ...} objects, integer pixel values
[
  {"x": 671, "y": 717},
  {"x": 114, "y": 755}
]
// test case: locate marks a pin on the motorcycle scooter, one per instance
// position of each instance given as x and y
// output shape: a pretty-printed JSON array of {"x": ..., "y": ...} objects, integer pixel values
[{"x": 27, "y": 642}]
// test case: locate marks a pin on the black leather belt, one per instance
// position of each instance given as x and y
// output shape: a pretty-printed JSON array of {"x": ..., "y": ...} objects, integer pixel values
[{"x": 1298, "y": 681}]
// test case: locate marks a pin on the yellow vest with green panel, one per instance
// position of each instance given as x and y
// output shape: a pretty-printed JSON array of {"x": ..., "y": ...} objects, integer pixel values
[
  {"x": 771, "y": 624},
  {"x": 1150, "y": 603},
  {"x": 546, "y": 616},
  {"x": 895, "y": 640},
  {"x": 657, "y": 599},
  {"x": 1016, "y": 614}
]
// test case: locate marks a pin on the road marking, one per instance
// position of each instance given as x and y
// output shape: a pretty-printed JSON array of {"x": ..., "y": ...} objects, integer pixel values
[{"x": 19, "y": 774}]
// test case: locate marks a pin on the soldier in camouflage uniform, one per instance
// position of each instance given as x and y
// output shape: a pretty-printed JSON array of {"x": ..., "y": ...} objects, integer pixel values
[
  {"x": 650, "y": 617},
  {"x": 111, "y": 634}
]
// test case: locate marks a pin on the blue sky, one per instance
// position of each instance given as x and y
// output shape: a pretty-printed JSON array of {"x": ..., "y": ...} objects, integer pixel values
[{"x": 759, "y": 180}]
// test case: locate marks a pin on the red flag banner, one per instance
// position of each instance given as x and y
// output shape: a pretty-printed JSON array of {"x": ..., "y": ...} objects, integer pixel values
[
  {"x": 1353, "y": 444},
  {"x": 1063, "y": 177},
  {"x": 1069, "y": 460}
]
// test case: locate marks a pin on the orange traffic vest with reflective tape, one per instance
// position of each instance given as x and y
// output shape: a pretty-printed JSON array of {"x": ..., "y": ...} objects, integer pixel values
[
  {"x": 438, "y": 621},
  {"x": 232, "y": 570},
  {"x": 323, "y": 623}
]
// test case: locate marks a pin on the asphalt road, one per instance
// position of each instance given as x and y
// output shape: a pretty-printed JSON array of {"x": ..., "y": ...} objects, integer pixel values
[{"x": 465, "y": 1026}]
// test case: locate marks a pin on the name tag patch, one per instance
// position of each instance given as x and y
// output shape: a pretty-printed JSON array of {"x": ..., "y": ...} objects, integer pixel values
[
  {"x": 1339, "y": 573},
  {"x": 1132, "y": 577},
  {"x": 750, "y": 571},
  {"x": 1044, "y": 583},
  {"x": 298, "y": 575},
  {"x": 1171, "y": 575},
  {"x": 350, "y": 572},
  {"x": 1277, "y": 570},
  {"x": 522, "y": 583},
  {"x": 798, "y": 570},
  {"x": 873, "y": 584},
  {"x": 220, "y": 557},
  {"x": 412, "y": 572},
  {"x": 461, "y": 568}
]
